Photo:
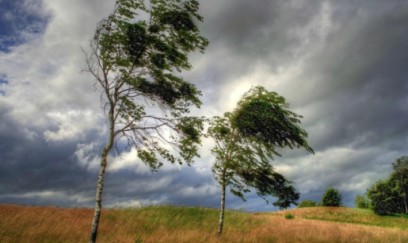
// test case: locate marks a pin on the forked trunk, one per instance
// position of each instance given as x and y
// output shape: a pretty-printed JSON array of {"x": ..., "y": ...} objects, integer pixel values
[{"x": 222, "y": 209}]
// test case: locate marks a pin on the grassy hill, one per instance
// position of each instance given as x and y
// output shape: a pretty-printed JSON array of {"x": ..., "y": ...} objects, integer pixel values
[{"x": 194, "y": 224}]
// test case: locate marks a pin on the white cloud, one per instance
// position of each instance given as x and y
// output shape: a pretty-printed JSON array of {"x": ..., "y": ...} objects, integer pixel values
[
  {"x": 45, "y": 85},
  {"x": 72, "y": 124},
  {"x": 206, "y": 189},
  {"x": 86, "y": 156},
  {"x": 53, "y": 195},
  {"x": 128, "y": 161},
  {"x": 134, "y": 203}
]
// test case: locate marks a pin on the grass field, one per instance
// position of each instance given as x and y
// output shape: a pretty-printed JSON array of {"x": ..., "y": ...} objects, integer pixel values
[{"x": 194, "y": 224}]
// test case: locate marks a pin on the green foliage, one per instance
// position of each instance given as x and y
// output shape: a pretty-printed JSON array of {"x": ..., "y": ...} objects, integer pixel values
[
  {"x": 307, "y": 204},
  {"x": 361, "y": 201},
  {"x": 244, "y": 149},
  {"x": 399, "y": 177},
  {"x": 138, "y": 239},
  {"x": 289, "y": 216},
  {"x": 331, "y": 198},
  {"x": 391, "y": 196},
  {"x": 263, "y": 116},
  {"x": 385, "y": 198},
  {"x": 135, "y": 60}
]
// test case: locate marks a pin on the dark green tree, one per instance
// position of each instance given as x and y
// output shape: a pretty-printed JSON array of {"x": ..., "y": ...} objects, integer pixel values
[
  {"x": 361, "y": 201},
  {"x": 331, "y": 198},
  {"x": 135, "y": 55},
  {"x": 400, "y": 179},
  {"x": 385, "y": 198},
  {"x": 246, "y": 141},
  {"x": 390, "y": 196}
]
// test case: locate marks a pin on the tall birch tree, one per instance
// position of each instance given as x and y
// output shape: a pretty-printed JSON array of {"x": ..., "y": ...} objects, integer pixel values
[
  {"x": 246, "y": 141},
  {"x": 136, "y": 55}
]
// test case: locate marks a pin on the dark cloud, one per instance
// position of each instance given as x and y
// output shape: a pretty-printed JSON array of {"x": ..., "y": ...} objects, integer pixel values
[
  {"x": 361, "y": 80},
  {"x": 18, "y": 20}
]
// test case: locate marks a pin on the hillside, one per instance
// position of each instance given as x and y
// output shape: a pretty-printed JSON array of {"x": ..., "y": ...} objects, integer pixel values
[{"x": 194, "y": 224}]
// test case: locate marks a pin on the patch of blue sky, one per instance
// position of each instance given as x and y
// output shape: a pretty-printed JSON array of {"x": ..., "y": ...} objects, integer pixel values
[
  {"x": 20, "y": 21},
  {"x": 3, "y": 82}
]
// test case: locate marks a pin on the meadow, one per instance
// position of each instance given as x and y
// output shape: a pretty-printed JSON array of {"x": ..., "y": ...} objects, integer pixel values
[{"x": 196, "y": 224}]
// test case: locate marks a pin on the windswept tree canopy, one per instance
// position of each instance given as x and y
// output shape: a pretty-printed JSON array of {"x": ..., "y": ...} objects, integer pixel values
[
  {"x": 264, "y": 116},
  {"x": 137, "y": 53},
  {"x": 246, "y": 141}
]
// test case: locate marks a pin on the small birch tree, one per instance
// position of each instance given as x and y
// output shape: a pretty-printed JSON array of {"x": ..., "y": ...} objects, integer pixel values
[
  {"x": 134, "y": 56},
  {"x": 246, "y": 141}
]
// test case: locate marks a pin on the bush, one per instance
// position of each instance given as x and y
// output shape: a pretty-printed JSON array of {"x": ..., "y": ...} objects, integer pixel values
[
  {"x": 361, "y": 201},
  {"x": 289, "y": 216},
  {"x": 307, "y": 204},
  {"x": 331, "y": 198}
]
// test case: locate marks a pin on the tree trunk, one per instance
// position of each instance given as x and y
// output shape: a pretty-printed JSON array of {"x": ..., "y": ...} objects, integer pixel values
[
  {"x": 99, "y": 189},
  {"x": 405, "y": 203},
  {"x": 101, "y": 177},
  {"x": 222, "y": 209}
]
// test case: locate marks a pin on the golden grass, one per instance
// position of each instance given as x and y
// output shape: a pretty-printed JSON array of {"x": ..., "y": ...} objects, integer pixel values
[{"x": 182, "y": 224}]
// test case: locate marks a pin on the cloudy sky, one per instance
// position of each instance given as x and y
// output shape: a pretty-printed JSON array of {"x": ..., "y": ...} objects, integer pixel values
[{"x": 343, "y": 65}]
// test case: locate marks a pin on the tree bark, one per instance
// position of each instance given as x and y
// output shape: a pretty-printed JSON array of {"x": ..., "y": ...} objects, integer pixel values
[
  {"x": 101, "y": 177},
  {"x": 222, "y": 209},
  {"x": 99, "y": 189}
]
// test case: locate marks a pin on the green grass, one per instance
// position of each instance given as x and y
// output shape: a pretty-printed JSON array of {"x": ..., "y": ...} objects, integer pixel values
[
  {"x": 353, "y": 215},
  {"x": 173, "y": 217}
]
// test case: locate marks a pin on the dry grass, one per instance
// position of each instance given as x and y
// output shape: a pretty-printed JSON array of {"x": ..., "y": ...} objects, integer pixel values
[{"x": 182, "y": 224}]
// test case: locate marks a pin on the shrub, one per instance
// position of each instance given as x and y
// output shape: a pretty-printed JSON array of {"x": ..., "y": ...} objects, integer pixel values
[
  {"x": 361, "y": 201},
  {"x": 289, "y": 216},
  {"x": 307, "y": 204},
  {"x": 331, "y": 198}
]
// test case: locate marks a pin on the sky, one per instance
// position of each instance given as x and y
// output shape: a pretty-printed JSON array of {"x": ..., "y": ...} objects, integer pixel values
[{"x": 342, "y": 65}]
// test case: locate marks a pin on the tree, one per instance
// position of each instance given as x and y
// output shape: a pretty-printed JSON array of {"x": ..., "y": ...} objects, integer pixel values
[
  {"x": 385, "y": 198},
  {"x": 134, "y": 55},
  {"x": 400, "y": 178},
  {"x": 390, "y": 196},
  {"x": 361, "y": 201},
  {"x": 246, "y": 140},
  {"x": 331, "y": 198}
]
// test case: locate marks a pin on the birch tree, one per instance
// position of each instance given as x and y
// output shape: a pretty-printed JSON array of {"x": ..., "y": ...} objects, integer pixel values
[
  {"x": 246, "y": 141},
  {"x": 136, "y": 55}
]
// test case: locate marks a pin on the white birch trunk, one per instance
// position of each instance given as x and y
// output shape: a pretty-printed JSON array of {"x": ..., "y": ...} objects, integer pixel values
[
  {"x": 101, "y": 177},
  {"x": 222, "y": 209}
]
